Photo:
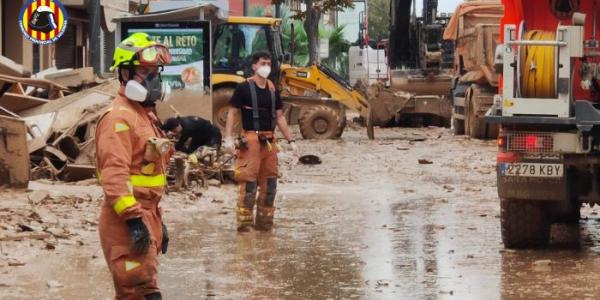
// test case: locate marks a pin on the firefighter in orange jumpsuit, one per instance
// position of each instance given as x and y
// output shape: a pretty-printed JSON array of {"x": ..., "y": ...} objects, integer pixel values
[
  {"x": 131, "y": 159},
  {"x": 256, "y": 165}
]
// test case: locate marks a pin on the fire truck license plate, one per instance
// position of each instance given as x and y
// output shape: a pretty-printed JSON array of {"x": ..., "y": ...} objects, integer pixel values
[{"x": 532, "y": 170}]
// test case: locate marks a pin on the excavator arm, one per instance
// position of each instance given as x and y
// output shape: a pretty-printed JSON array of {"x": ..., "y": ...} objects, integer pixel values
[
  {"x": 305, "y": 86},
  {"x": 320, "y": 83}
]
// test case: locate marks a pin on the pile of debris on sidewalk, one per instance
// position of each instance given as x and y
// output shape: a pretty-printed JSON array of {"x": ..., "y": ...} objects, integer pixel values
[
  {"x": 47, "y": 122},
  {"x": 47, "y": 128}
]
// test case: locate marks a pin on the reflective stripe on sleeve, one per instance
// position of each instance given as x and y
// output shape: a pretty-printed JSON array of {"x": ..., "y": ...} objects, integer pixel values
[
  {"x": 149, "y": 181},
  {"x": 123, "y": 204}
]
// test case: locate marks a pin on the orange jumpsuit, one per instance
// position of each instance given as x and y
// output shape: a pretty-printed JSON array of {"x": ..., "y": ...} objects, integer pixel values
[{"x": 133, "y": 184}]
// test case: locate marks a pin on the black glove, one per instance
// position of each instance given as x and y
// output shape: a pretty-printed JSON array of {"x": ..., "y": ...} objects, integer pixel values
[
  {"x": 140, "y": 237},
  {"x": 165, "y": 239}
]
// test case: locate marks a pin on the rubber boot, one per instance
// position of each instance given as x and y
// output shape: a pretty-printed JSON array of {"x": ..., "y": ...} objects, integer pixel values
[
  {"x": 264, "y": 218},
  {"x": 244, "y": 219},
  {"x": 153, "y": 296}
]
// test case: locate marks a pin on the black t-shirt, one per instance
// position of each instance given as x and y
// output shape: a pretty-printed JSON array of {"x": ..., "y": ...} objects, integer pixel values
[
  {"x": 201, "y": 131},
  {"x": 242, "y": 99}
]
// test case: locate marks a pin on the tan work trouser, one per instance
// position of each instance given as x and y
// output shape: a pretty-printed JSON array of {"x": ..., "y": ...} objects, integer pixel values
[{"x": 256, "y": 171}]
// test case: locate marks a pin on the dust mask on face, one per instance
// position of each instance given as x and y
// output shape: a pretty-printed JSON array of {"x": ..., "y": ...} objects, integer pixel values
[
  {"x": 135, "y": 91},
  {"x": 148, "y": 92},
  {"x": 263, "y": 71}
]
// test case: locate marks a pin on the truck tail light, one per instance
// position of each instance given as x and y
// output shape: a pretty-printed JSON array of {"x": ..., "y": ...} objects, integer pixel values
[
  {"x": 501, "y": 142},
  {"x": 530, "y": 142}
]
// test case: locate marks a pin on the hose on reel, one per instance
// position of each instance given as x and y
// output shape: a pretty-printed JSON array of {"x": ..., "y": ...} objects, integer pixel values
[{"x": 538, "y": 66}]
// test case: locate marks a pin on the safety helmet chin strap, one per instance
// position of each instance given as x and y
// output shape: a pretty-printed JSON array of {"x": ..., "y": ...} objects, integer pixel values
[{"x": 130, "y": 74}]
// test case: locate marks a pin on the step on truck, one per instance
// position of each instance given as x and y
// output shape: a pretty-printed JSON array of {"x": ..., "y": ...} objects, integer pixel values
[{"x": 548, "y": 161}]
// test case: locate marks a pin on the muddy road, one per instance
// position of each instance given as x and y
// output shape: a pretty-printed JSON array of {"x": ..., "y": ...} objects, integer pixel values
[{"x": 412, "y": 215}]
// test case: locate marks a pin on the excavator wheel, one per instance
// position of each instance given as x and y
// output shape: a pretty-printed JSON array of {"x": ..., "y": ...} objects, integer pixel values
[
  {"x": 320, "y": 122},
  {"x": 343, "y": 122},
  {"x": 221, "y": 98}
]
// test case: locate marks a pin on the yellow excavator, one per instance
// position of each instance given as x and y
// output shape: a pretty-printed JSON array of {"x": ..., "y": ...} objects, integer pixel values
[{"x": 315, "y": 97}]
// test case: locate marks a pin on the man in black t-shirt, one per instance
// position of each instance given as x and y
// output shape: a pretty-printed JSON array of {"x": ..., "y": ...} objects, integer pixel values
[
  {"x": 200, "y": 131},
  {"x": 256, "y": 165}
]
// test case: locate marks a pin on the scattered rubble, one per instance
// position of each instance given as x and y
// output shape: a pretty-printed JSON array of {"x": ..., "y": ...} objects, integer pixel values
[
  {"x": 51, "y": 126},
  {"x": 206, "y": 167},
  {"x": 53, "y": 284},
  {"x": 47, "y": 122}
]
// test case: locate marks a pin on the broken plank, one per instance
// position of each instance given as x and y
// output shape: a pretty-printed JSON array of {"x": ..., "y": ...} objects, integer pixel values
[
  {"x": 71, "y": 78},
  {"x": 73, "y": 172},
  {"x": 10, "y": 67},
  {"x": 40, "y": 83},
  {"x": 17, "y": 103},
  {"x": 16, "y": 88},
  {"x": 8, "y": 113}
]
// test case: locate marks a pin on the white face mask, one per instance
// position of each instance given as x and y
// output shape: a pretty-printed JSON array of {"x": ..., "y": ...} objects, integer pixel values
[
  {"x": 263, "y": 71},
  {"x": 135, "y": 91}
]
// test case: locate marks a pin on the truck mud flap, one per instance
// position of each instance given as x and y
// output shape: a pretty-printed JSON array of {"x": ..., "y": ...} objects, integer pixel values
[{"x": 530, "y": 188}]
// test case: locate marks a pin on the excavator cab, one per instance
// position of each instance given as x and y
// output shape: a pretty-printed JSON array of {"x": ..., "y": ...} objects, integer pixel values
[{"x": 234, "y": 43}]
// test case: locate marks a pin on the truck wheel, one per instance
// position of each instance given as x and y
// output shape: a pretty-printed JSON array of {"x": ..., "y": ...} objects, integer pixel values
[
  {"x": 524, "y": 223},
  {"x": 459, "y": 91},
  {"x": 221, "y": 98},
  {"x": 565, "y": 211},
  {"x": 458, "y": 126},
  {"x": 476, "y": 128},
  {"x": 319, "y": 122}
]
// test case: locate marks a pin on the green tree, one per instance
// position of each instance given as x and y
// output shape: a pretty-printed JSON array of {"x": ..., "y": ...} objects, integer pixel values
[
  {"x": 338, "y": 50},
  {"x": 379, "y": 20},
  {"x": 256, "y": 11},
  {"x": 338, "y": 46},
  {"x": 312, "y": 17}
]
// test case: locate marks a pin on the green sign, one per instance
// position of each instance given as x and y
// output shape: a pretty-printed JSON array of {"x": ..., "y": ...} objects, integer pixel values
[{"x": 186, "y": 71}]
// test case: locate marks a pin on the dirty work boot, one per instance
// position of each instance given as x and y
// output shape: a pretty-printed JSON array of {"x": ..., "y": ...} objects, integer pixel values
[
  {"x": 244, "y": 219},
  {"x": 264, "y": 218}
]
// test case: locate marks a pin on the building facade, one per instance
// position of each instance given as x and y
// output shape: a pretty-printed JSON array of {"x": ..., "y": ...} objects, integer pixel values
[{"x": 87, "y": 42}]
